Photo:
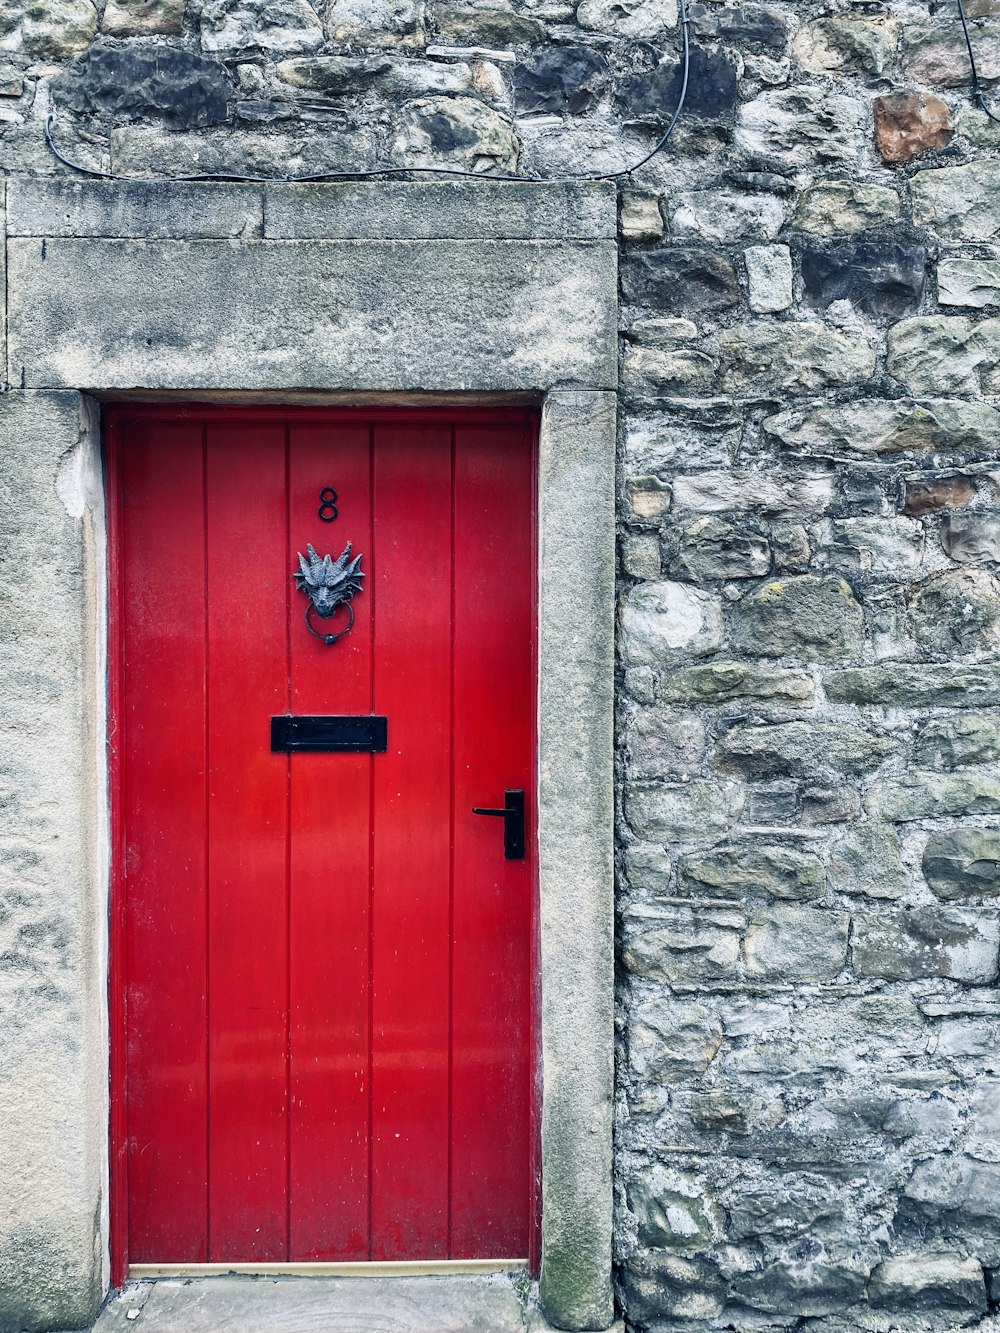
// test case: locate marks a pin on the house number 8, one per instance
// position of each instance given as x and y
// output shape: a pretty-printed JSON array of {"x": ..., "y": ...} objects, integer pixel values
[{"x": 327, "y": 504}]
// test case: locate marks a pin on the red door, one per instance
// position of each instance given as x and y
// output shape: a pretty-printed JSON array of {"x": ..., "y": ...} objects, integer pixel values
[{"x": 322, "y": 967}]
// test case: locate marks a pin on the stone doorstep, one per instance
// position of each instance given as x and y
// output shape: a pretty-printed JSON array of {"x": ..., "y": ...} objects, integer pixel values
[{"x": 460, "y": 1304}]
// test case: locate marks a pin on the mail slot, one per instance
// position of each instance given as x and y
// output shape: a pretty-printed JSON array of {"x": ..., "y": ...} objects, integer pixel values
[{"x": 366, "y": 732}]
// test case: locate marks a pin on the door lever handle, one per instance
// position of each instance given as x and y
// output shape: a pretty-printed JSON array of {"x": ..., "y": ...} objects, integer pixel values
[{"x": 512, "y": 815}]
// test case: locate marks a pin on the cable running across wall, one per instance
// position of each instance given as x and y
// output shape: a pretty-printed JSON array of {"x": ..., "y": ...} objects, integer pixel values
[
  {"x": 378, "y": 172},
  {"x": 978, "y": 96}
]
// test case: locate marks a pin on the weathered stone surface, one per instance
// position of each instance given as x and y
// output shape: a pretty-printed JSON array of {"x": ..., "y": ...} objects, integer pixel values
[
  {"x": 282, "y": 26},
  {"x": 713, "y": 88},
  {"x": 868, "y": 859},
  {"x": 673, "y": 1213},
  {"x": 47, "y": 29},
  {"x": 744, "y": 870},
  {"x": 911, "y": 685},
  {"x": 879, "y": 278},
  {"x": 546, "y": 302},
  {"x": 850, "y": 43},
  {"x": 797, "y": 943},
  {"x": 873, "y": 545},
  {"x": 455, "y": 129},
  {"x": 381, "y": 23},
  {"x": 829, "y": 805},
  {"x": 465, "y": 24},
  {"x": 391, "y": 76},
  {"x": 957, "y": 613},
  {"x": 684, "y": 943},
  {"x": 641, "y": 555},
  {"x": 926, "y": 942},
  {"x": 936, "y": 54},
  {"x": 958, "y": 1193},
  {"x": 722, "y": 682},
  {"x": 929, "y": 1281},
  {"x": 684, "y": 813},
  {"x": 769, "y": 278},
  {"x": 560, "y": 79},
  {"x": 964, "y": 863},
  {"x": 670, "y": 1039},
  {"x": 973, "y": 537},
  {"x": 651, "y": 368},
  {"x": 951, "y": 742},
  {"x": 649, "y": 497},
  {"x": 945, "y": 354},
  {"x": 640, "y": 218},
  {"x": 908, "y": 124},
  {"x": 712, "y": 492},
  {"x": 723, "y": 217},
  {"x": 668, "y": 622},
  {"x": 665, "y": 744},
  {"x": 181, "y": 86},
  {"x": 880, "y": 425},
  {"x": 960, "y": 203},
  {"x": 142, "y": 18},
  {"x": 671, "y": 1286},
  {"x": 801, "y": 127},
  {"x": 969, "y": 282},
  {"x": 929, "y": 795},
  {"x": 802, "y": 749},
  {"x": 792, "y": 357},
  {"x": 836, "y": 207},
  {"x": 680, "y": 282},
  {"x": 747, "y": 24},
  {"x": 813, "y": 619},
  {"x": 267, "y": 152},
  {"x": 710, "y": 548},
  {"x": 637, "y": 19},
  {"x": 647, "y": 868},
  {"x": 930, "y": 495}
]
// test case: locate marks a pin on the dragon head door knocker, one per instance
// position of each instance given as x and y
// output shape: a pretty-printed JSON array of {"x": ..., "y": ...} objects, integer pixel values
[{"x": 328, "y": 584}]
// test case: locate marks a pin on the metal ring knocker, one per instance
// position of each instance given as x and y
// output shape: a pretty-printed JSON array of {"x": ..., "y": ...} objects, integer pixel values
[{"x": 331, "y": 638}]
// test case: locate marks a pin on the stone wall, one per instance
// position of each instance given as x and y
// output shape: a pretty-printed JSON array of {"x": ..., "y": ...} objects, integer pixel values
[{"x": 809, "y": 1074}]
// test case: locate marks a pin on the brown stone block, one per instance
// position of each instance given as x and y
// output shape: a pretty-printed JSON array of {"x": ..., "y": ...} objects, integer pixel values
[{"x": 908, "y": 124}]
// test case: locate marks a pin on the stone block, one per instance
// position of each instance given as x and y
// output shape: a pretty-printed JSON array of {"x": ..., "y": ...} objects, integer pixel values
[
  {"x": 665, "y": 743},
  {"x": 641, "y": 555},
  {"x": 269, "y": 151},
  {"x": 969, "y": 282},
  {"x": 909, "y": 124},
  {"x": 281, "y": 27},
  {"x": 945, "y": 354},
  {"x": 801, "y": 127},
  {"x": 680, "y": 282},
  {"x": 668, "y": 622},
  {"x": 972, "y": 538},
  {"x": 956, "y": 1195},
  {"x": 379, "y": 23},
  {"x": 785, "y": 1205},
  {"x": 641, "y": 20},
  {"x": 930, "y": 795},
  {"x": 153, "y": 209},
  {"x": 829, "y": 805},
  {"x": 184, "y": 88},
  {"x": 776, "y": 358},
  {"x": 960, "y": 203},
  {"x": 722, "y": 682},
  {"x": 391, "y": 77},
  {"x": 460, "y": 131},
  {"x": 466, "y": 25},
  {"x": 957, "y": 614},
  {"x": 712, "y": 93},
  {"x": 560, "y": 80},
  {"x": 963, "y": 863},
  {"x": 671, "y": 1287},
  {"x": 887, "y": 426},
  {"x": 813, "y": 1288},
  {"x": 673, "y": 1211},
  {"x": 848, "y": 43},
  {"x": 873, "y": 545},
  {"x": 805, "y": 617},
  {"x": 647, "y": 868},
  {"x": 680, "y": 370},
  {"x": 868, "y": 860},
  {"x": 936, "y": 54},
  {"x": 926, "y": 942},
  {"x": 749, "y": 25},
  {"x": 713, "y": 492},
  {"x": 292, "y": 315},
  {"x": 753, "y": 870},
  {"x": 684, "y": 944},
  {"x": 769, "y": 278},
  {"x": 916, "y": 685},
  {"x": 953, "y": 742},
  {"x": 143, "y": 18},
  {"x": 842, "y": 207},
  {"x": 709, "y": 548},
  {"x": 691, "y": 812},
  {"x": 47, "y": 29},
  {"x": 649, "y": 497},
  {"x": 932, "y": 494},
  {"x": 640, "y": 218},
  {"x": 723, "y": 217},
  {"x": 802, "y": 749},
  {"x": 880, "y": 278},
  {"x": 790, "y": 943},
  {"x": 670, "y": 1040}
]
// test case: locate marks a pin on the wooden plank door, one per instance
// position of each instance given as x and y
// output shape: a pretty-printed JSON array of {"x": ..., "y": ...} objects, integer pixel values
[{"x": 322, "y": 962}]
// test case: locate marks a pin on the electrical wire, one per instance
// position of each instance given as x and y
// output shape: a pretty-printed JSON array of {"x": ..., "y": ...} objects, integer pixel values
[
  {"x": 378, "y": 172},
  {"x": 978, "y": 96}
]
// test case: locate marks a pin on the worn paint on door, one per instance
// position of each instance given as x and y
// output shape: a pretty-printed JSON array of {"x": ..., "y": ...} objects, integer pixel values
[{"x": 323, "y": 963}]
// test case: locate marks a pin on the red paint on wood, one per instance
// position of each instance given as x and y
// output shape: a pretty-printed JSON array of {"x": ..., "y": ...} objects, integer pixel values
[{"x": 322, "y": 1004}]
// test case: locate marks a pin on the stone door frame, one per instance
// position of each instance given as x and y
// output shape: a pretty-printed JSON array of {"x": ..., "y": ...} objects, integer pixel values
[{"x": 359, "y": 293}]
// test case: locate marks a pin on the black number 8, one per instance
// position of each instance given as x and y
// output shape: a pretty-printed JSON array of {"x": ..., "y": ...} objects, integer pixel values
[{"x": 328, "y": 504}]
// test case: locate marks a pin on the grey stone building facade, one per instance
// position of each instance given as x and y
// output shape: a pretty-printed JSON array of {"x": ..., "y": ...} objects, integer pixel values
[{"x": 803, "y": 1127}]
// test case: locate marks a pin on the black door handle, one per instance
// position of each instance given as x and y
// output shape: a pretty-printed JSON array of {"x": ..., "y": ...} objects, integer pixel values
[{"x": 512, "y": 815}]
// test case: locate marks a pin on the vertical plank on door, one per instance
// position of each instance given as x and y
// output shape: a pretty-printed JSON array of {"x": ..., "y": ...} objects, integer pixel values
[
  {"x": 248, "y": 589},
  {"x": 163, "y": 859},
  {"x": 494, "y": 750},
  {"x": 330, "y": 866},
  {"x": 410, "y": 927}
]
